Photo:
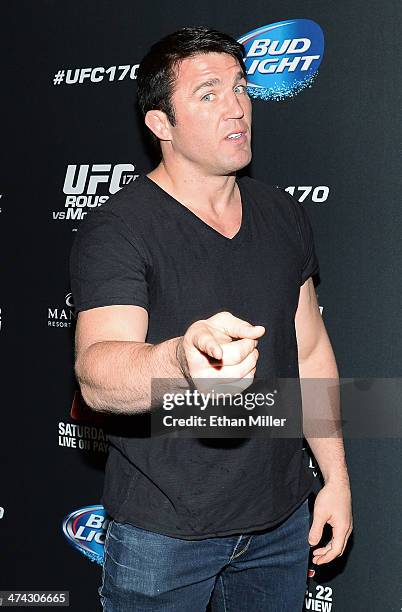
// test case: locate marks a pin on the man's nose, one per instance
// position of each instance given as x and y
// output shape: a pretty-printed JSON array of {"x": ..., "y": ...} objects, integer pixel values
[{"x": 234, "y": 109}]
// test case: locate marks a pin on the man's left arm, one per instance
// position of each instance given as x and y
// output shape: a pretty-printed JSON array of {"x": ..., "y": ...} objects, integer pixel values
[{"x": 321, "y": 406}]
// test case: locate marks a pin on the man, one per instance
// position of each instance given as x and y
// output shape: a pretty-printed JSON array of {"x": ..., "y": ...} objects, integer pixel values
[{"x": 180, "y": 276}]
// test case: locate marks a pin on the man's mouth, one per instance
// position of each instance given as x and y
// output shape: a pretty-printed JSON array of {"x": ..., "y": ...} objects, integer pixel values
[{"x": 236, "y": 136}]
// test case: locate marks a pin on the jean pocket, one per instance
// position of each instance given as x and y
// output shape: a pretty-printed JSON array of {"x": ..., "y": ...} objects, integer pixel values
[
  {"x": 105, "y": 547},
  {"x": 107, "y": 538}
]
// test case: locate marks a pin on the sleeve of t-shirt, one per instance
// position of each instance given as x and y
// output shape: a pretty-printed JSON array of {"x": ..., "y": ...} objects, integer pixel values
[
  {"x": 107, "y": 265},
  {"x": 310, "y": 265}
]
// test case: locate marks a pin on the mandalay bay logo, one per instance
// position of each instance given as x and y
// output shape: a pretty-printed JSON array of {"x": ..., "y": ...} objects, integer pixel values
[{"x": 282, "y": 58}]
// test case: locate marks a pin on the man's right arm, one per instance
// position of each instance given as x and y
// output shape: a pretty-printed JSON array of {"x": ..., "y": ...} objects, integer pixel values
[{"x": 115, "y": 366}]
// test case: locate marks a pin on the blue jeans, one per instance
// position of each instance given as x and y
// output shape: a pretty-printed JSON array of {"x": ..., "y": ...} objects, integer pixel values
[{"x": 261, "y": 572}]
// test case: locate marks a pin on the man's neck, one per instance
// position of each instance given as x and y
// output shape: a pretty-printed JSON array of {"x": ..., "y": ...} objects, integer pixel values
[{"x": 211, "y": 195}]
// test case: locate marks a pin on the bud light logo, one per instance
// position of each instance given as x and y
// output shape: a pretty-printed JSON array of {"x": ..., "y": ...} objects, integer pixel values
[
  {"x": 282, "y": 58},
  {"x": 85, "y": 529}
]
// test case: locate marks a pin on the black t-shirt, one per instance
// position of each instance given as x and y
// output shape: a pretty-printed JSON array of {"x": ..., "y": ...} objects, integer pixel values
[{"x": 145, "y": 248}]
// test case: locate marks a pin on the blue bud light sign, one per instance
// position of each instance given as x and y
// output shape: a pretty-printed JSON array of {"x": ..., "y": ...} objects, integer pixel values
[
  {"x": 282, "y": 58},
  {"x": 85, "y": 530}
]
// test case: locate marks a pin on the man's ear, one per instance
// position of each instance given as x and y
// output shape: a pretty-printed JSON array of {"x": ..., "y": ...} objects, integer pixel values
[{"x": 159, "y": 124}]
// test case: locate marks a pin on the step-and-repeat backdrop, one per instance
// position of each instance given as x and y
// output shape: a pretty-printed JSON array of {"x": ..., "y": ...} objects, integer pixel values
[{"x": 326, "y": 88}]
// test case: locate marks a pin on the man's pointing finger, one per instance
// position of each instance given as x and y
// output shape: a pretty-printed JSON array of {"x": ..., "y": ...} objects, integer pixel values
[{"x": 245, "y": 330}]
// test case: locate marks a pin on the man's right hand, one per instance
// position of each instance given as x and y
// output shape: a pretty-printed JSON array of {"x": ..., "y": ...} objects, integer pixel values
[{"x": 220, "y": 350}]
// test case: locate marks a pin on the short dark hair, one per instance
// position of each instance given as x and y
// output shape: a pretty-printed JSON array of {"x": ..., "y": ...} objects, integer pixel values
[{"x": 157, "y": 72}]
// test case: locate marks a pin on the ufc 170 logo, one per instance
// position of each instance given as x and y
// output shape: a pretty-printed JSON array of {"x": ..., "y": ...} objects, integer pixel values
[
  {"x": 89, "y": 186},
  {"x": 304, "y": 192},
  {"x": 83, "y": 183}
]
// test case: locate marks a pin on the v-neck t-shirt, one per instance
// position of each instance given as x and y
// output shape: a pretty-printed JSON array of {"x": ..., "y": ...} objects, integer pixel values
[{"x": 145, "y": 248}]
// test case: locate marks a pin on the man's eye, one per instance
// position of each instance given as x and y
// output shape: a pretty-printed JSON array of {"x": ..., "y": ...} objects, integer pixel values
[
  {"x": 208, "y": 97},
  {"x": 240, "y": 89}
]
